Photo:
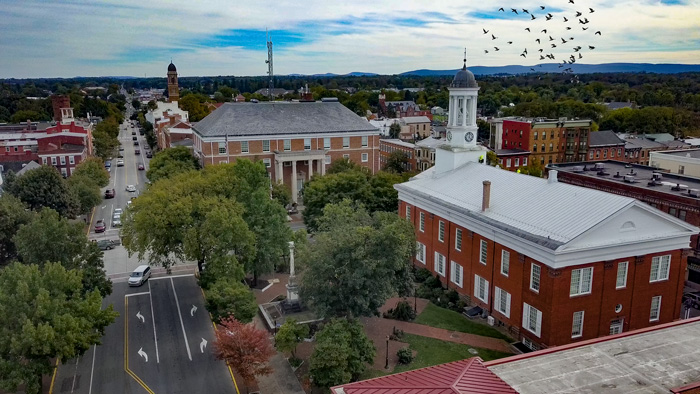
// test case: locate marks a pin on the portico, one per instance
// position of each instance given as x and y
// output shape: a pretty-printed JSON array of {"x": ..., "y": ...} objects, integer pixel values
[{"x": 300, "y": 160}]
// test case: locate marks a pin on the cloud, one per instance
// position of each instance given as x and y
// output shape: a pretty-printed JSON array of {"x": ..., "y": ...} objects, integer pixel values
[{"x": 221, "y": 37}]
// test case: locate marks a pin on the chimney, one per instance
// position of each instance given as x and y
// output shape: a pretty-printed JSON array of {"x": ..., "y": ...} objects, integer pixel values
[
  {"x": 306, "y": 95},
  {"x": 552, "y": 177},
  {"x": 486, "y": 197}
]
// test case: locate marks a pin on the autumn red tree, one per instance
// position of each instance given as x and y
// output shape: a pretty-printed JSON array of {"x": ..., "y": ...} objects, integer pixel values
[{"x": 246, "y": 349}]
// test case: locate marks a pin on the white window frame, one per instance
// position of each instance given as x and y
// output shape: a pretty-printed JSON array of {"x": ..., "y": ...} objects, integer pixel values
[
  {"x": 505, "y": 263},
  {"x": 524, "y": 161},
  {"x": 507, "y": 163},
  {"x": 579, "y": 285},
  {"x": 535, "y": 277},
  {"x": 346, "y": 156},
  {"x": 71, "y": 159},
  {"x": 517, "y": 162},
  {"x": 529, "y": 320},
  {"x": 63, "y": 160},
  {"x": 500, "y": 298},
  {"x": 268, "y": 163},
  {"x": 53, "y": 160},
  {"x": 577, "y": 324},
  {"x": 245, "y": 147},
  {"x": 408, "y": 212},
  {"x": 326, "y": 142},
  {"x": 458, "y": 239},
  {"x": 222, "y": 148},
  {"x": 64, "y": 172},
  {"x": 622, "y": 268},
  {"x": 365, "y": 141},
  {"x": 365, "y": 157},
  {"x": 483, "y": 252},
  {"x": 421, "y": 222},
  {"x": 456, "y": 274},
  {"x": 266, "y": 145},
  {"x": 660, "y": 267},
  {"x": 440, "y": 264},
  {"x": 327, "y": 159},
  {"x": 420, "y": 253},
  {"x": 346, "y": 142},
  {"x": 287, "y": 144},
  {"x": 43, "y": 160},
  {"x": 441, "y": 231},
  {"x": 481, "y": 288},
  {"x": 307, "y": 143},
  {"x": 655, "y": 311}
]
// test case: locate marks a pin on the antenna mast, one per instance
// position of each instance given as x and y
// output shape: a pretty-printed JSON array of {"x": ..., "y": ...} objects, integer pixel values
[{"x": 269, "y": 66}]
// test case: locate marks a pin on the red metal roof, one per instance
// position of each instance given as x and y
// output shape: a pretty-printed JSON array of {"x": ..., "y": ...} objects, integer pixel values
[{"x": 459, "y": 377}]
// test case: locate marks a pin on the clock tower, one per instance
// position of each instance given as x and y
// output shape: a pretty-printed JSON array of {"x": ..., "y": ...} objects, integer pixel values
[
  {"x": 173, "y": 90},
  {"x": 461, "y": 146}
]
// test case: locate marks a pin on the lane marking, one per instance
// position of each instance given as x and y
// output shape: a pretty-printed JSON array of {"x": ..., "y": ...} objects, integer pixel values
[
  {"x": 126, "y": 348},
  {"x": 153, "y": 318},
  {"x": 193, "y": 310},
  {"x": 230, "y": 371},
  {"x": 171, "y": 277},
  {"x": 75, "y": 375},
  {"x": 136, "y": 294},
  {"x": 92, "y": 371},
  {"x": 182, "y": 323},
  {"x": 143, "y": 354},
  {"x": 202, "y": 345}
]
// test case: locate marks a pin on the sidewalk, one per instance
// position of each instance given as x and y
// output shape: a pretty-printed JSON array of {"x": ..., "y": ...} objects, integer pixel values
[{"x": 282, "y": 379}]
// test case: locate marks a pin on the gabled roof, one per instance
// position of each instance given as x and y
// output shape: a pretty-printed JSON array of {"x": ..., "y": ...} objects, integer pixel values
[
  {"x": 275, "y": 118},
  {"x": 631, "y": 143},
  {"x": 660, "y": 137},
  {"x": 430, "y": 143},
  {"x": 30, "y": 166},
  {"x": 604, "y": 138},
  {"x": 459, "y": 377}
]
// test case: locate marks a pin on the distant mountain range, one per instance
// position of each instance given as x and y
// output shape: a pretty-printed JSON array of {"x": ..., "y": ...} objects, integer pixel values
[{"x": 577, "y": 68}]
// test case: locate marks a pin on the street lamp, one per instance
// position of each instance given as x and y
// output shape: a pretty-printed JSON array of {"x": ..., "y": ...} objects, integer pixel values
[{"x": 386, "y": 366}]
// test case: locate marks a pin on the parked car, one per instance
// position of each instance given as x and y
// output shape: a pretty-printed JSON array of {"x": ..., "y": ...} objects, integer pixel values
[
  {"x": 136, "y": 143},
  {"x": 137, "y": 151},
  {"x": 100, "y": 226},
  {"x": 116, "y": 220},
  {"x": 118, "y": 211},
  {"x": 692, "y": 298},
  {"x": 130, "y": 188},
  {"x": 108, "y": 164},
  {"x": 110, "y": 193},
  {"x": 149, "y": 154},
  {"x": 121, "y": 148},
  {"x": 120, "y": 163},
  {"x": 134, "y": 138},
  {"x": 120, "y": 155},
  {"x": 141, "y": 167},
  {"x": 140, "y": 275},
  {"x": 133, "y": 132},
  {"x": 106, "y": 244}
]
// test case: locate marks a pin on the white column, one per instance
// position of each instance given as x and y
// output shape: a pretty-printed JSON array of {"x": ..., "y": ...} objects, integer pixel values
[
  {"x": 294, "y": 181},
  {"x": 474, "y": 110},
  {"x": 311, "y": 168},
  {"x": 323, "y": 166},
  {"x": 319, "y": 166},
  {"x": 452, "y": 115},
  {"x": 279, "y": 175}
]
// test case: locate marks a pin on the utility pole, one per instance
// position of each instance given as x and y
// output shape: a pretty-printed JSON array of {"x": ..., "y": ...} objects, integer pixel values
[{"x": 269, "y": 66}]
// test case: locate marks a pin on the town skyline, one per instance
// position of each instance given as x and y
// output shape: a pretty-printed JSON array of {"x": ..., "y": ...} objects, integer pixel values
[{"x": 214, "y": 38}]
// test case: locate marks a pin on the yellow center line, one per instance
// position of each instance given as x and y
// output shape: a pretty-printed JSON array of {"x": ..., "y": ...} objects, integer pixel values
[{"x": 126, "y": 349}]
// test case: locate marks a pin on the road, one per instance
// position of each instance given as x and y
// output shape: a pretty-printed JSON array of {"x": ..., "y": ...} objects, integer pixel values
[{"x": 160, "y": 343}]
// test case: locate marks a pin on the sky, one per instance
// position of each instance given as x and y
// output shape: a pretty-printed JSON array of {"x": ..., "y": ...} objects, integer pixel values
[{"x": 68, "y": 38}]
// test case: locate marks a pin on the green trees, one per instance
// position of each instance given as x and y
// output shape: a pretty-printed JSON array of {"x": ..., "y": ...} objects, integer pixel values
[
  {"x": 14, "y": 214},
  {"x": 396, "y": 162},
  {"x": 44, "y": 187},
  {"x": 44, "y": 315},
  {"x": 231, "y": 298},
  {"x": 105, "y": 137},
  {"x": 356, "y": 261},
  {"x": 194, "y": 104},
  {"x": 289, "y": 335},
  {"x": 170, "y": 162},
  {"x": 92, "y": 168},
  {"x": 394, "y": 130},
  {"x": 341, "y": 354}
]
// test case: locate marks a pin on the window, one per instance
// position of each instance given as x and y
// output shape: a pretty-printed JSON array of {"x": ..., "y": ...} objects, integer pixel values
[
  {"x": 681, "y": 169},
  {"x": 618, "y": 152},
  {"x": 532, "y": 319},
  {"x": 525, "y": 161},
  {"x": 659, "y": 268},
  {"x": 244, "y": 147},
  {"x": 517, "y": 162},
  {"x": 440, "y": 264},
  {"x": 483, "y": 251},
  {"x": 287, "y": 145},
  {"x": 63, "y": 160},
  {"x": 534, "y": 148},
  {"x": 420, "y": 253},
  {"x": 365, "y": 157},
  {"x": 543, "y": 150},
  {"x": 327, "y": 143},
  {"x": 605, "y": 153},
  {"x": 535, "y": 272},
  {"x": 71, "y": 159},
  {"x": 222, "y": 148},
  {"x": 268, "y": 163},
  {"x": 535, "y": 138},
  {"x": 307, "y": 143},
  {"x": 64, "y": 172},
  {"x": 266, "y": 145},
  {"x": 508, "y": 163},
  {"x": 672, "y": 211},
  {"x": 551, "y": 147},
  {"x": 328, "y": 159},
  {"x": 287, "y": 163},
  {"x": 53, "y": 160},
  {"x": 441, "y": 231},
  {"x": 621, "y": 275},
  {"x": 43, "y": 160},
  {"x": 7, "y": 149},
  {"x": 505, "y": 262},
  {"x": 456, "y": 274},
  {"x": 421, "y": 224},
  {"x": 681, "y": 214},
  {"x": 655, "y": 308},
  {"x": 365, "y": 141},
  {"x": 408, "y": 212},
  {"x": 481, "y": 288},
  {"x": 346, "y": 142},
  {"x": 458, "y": 239},
  {"x": 577, "y": 325},
  {"x": 502, "y": 301},
  {"x": 581, "y": 280}
]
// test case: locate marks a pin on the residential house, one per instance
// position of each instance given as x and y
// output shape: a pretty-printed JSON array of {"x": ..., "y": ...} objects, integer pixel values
[
  {"x": 414, "y": 127},
  {"x": 401, "y": 109}
]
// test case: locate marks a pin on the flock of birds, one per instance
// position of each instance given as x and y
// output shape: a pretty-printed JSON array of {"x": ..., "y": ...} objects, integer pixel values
[{"x": 543, "y": 37}]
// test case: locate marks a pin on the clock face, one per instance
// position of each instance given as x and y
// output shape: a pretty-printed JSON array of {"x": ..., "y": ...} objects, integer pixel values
[
  {"x": 449, "y": 136},
  {"x": 469, "y": 136}
]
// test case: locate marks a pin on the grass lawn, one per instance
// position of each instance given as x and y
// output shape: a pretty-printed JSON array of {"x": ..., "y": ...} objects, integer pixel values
[
  {"x": 435, "y": 316},
  {"x": 434, "y": 351}
]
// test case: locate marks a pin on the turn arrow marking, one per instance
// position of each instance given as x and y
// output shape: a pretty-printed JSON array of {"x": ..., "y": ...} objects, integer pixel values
[
  {"x": 140, "y": 316},
  {"x": 143, "y": 354},
  {"x": 203, "y": 345},
  {"x": 193, "y": 310}
]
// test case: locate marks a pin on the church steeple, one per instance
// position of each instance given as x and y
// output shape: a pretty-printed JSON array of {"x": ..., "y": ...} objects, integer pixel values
[{"x": 173, "y": 89}]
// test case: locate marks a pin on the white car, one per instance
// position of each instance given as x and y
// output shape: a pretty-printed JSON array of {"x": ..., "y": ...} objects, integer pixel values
[
  {"x": 118, "y": 211},
  {"x": 120, "y": 163},
  {"x": 130, "y": 188}
]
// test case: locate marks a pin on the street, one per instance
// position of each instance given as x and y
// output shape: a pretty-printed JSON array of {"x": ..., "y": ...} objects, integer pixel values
[{"x": 160, "y": 343}]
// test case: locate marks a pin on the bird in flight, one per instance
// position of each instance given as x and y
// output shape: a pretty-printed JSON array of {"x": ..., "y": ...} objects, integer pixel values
[
  {"x": 496, "y": 48},
  {"x": 525, "y": 11},
  {"x": 548, "y": 17},
  {"x": 523, "y": 55},
  {"x": 541, "y": 57},
  {"x": 538, "y": 41},
  {"x": 501, "y": 9},
  {"x": 591, "y": 47},
  {"x": 563, "y": 41},
  {"x": 493, "y": 37},
  {"x": 485, "y": 51},
  {"x": 565, "y": 20},
  {"x": 550, "y": 38},
  {"x": 568, "y": 28},
  {"x": 540, "y": 50},
  {"x": 525, "y": 51},
  {"x": 532, "y": 69},
  {"x": 541, "y": 7},
  {"x": 578, "y": 13},
  {"x": 485, "y": 31},
  {"x": 527, "y": 28},
  {"x": 592, "y": 11},
  {"x": 597, "y": 33},
  {"x": 571, "y": 1},
  {"x": 532, "y": 17},
  {"x": 585, "y": 28},
  {"x": 544, "y": 31},
  {"x": 554, "y": 45},
  {"x": 510, "y": 42},
  {"x": 514, "y": 10},
  {"x": 580, "y": 56}
]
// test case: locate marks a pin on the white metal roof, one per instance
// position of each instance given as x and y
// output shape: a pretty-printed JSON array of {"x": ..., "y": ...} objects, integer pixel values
[
  {"x": 430, "y": 142},
  {"x": 398, "y": 142},
  {"x": 415, "y": 119}
]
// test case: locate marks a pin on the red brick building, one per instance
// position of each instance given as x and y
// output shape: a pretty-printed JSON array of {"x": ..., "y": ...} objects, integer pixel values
[
  {"x": 512, "y": 159},
  {"x": 295, "y": 140},
  {"x": 548, "y": 140},
  {"x": 389, "y": 146},
  {"x": 401, "y": 109},
  {"x": 552, "y": 262}
]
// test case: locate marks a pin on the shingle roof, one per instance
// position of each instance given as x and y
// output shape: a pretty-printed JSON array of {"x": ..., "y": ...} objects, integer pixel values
[
  {"x": 250, "y": 119},
  {"x": 571, "y": 210},
  {"x": 459, "y": 377},
  {"x": 642, "y": 143},
  {"x": 605, "y": 138},
  {"x": 660, "y": 137}
]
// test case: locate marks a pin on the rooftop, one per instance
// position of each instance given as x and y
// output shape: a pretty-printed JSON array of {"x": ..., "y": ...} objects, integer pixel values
[
  {"x": 604, "y": 138},
  {"x": 618, "y": 104},
  {"x": 398, "y": 142},
  {"x": 275, "y": 118},
  {"x": 660, "y": 137},
  {"x": 690, "y": 153},
  {"x": 415, "y": 119},
  {"x": 642, "y": 176},
  {"x": 631, "y": 143},
  {"x": 651, "y": 360},
  {"x": 511, "y": 152},
  {"x": 430, "y": 142}
]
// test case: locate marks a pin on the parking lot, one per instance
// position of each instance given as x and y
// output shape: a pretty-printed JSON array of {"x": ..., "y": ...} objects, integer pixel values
[{"x": 160, "y": 343}]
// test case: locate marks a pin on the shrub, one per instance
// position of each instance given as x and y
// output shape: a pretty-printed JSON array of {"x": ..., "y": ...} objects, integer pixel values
[
  {"x": 433, "y": 282},
  {"x": 403, "y": 311},
  {"x": 405, "y": 355},
  {"x": 422, "y": 274}
]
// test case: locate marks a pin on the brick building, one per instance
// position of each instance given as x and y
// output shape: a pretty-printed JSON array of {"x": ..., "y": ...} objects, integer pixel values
[
  {"x": 569, "y": 265},
  {"x": 604, "y": 145},
  {"x": 548, "y": 140},
  {"x": 512, "y": 159},
  {"x": 401, "y": 109},
  {"x": 637, "y": 150},
  {"x": 414, "y": 127},
  {"x": 295, "y": 140},
  {"x": 389, "y": 146}
]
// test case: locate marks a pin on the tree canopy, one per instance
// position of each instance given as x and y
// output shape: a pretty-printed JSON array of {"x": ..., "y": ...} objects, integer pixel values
[
  {"x": 13, "y": 214},
  {"x": 357, "y": 261},
  {"x": 170, "y": 162},
  {"x": 44, "y": 187},
  {"x": 245, "y": 348},
  {"x": 45, "y": 314},
  {"x": 289, "y": 335}
]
